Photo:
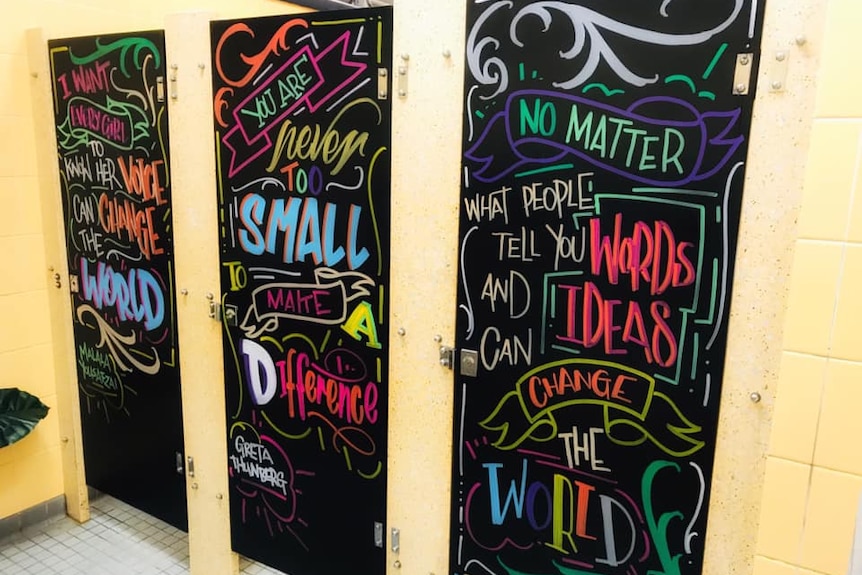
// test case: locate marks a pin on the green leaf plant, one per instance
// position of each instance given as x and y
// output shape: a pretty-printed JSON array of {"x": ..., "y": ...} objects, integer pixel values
[{"x": 19, "y": 414}]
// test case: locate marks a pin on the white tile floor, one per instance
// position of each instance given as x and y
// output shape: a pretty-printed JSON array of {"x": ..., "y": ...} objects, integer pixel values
[{"x": 117, "y": 540}]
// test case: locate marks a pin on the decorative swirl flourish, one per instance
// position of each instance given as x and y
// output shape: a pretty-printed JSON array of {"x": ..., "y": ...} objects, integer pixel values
[
  {"x": 587, "y": 24},
  {"x": 260, "y": 184},
  {"x": 276, "y": 44},
  {"x": 118, "y": 344},
  {"x": 221, "y": 105},
  {"x": 351, "y": 187},
  {"x": 145, "y": 96},
  {"x": 138, "y": 46},
  {"x": 493, "y": 70},
  {"x": 348, "y": 436},
  {"x": 468, "y": 308}
]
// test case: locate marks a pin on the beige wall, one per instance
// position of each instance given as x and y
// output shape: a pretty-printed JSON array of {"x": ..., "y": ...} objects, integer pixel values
[
  {"x": 426, "y": 125},
  {"x": 814, "y": 470},
  {"x": 774, "y": 173},
  {"x": 30, "y": 470}
]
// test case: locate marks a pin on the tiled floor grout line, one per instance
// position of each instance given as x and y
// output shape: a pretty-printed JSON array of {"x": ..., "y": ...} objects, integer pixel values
[{"x": 118, "y": 540}]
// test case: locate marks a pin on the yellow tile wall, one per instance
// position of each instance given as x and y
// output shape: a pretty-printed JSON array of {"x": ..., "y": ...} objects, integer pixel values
[
  {"x": 30, "y": 470},
  {"x": 814, "y": 467}
]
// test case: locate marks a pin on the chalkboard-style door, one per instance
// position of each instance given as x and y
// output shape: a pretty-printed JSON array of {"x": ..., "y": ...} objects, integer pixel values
[
  {"x": 112, "y": 146},
  {"x": 604, "y": 150},
  {"x": 302, "y": 121}
]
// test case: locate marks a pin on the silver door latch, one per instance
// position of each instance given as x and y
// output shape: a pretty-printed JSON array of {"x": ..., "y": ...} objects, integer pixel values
[
  {"x": 447, "y": 356},
  {"x": 215, "y": 310},
  {"x": 469, "y": 362}
]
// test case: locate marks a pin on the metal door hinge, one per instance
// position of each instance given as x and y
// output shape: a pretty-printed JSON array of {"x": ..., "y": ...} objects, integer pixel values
[
  {"x": 742, "y": 74},
  {"x": 179, "y": 461},
  {"x": 382, "y": 83},
  {"x": 190, "y": 465},
  {"x": 403, "y": 70},
  {"x": 73, "y": 284},
  {"x": 378, "y": 534},
  {"x": 396, "y": 540},
  {"x": 777, "y": 71},
  {"x": 172, "y": 79}
]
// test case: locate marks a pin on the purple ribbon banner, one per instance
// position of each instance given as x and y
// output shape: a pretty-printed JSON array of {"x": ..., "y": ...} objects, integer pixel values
[{"x": 659, "y": 141}]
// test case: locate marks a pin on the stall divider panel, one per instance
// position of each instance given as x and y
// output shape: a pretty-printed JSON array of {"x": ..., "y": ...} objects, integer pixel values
[
  {"x": 112, "y": 147},
  {"x": 302, "y": 116},
  {"x": 604, "y": 149}
]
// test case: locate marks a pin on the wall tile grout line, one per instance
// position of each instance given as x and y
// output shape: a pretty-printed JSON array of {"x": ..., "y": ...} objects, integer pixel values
[
  {"x": 828, "y": 242},
  {"x": 829, "y": 359},
  {"x": 788, "y": 564}
]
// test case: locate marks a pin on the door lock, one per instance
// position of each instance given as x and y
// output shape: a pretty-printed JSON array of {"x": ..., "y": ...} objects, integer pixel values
[{"x": 469, "y": 362}]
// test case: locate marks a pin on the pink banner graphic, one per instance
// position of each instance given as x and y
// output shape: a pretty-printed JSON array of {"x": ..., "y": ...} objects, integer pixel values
[{"x": 298, "y": 82}]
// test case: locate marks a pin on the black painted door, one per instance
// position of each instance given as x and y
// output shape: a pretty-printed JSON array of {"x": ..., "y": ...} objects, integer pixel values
[
  {"x": 603, "y": 157},
  {"x": 112, "y": 146},
  {"x": 302, "y": 146}
]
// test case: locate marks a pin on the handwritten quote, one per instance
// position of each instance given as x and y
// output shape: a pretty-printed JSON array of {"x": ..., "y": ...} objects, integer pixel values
[
  {"x": 603, "y": 160},
  {"x": 302, "y": 146}
]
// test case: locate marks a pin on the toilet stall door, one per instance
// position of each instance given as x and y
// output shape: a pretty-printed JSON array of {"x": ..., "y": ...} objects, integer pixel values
[
  {"x": 112, "y": 149},
  {"x": 604, "y": 151},
  {"x": 302, "y": 119}
]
